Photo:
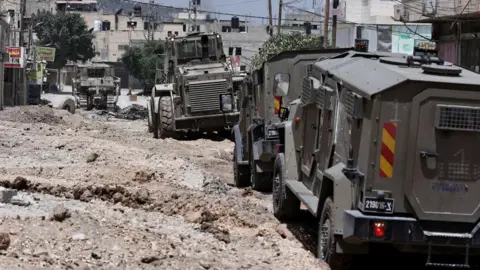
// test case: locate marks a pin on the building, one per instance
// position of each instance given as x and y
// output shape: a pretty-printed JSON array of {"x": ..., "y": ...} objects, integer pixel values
[
  {"x": 373, "y": 20},
  {"x": 454, "y": 27},
  {"x": 4, "y": 39}
]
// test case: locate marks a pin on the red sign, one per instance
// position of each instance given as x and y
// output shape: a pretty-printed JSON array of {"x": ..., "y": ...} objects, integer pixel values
[
  {"x": 15, "y": 57},
  {"x": 14, "y": 52}
]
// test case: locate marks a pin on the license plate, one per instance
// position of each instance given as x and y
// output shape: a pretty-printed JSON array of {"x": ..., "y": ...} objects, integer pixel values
[
  {"x": 377, "y": 205},
  {"x": 272, "y": 133}
]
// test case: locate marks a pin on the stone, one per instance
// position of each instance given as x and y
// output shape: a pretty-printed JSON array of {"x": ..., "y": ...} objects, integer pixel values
[
  {"x": 4, "y": 241},
  {"x": 60, "y": 213},
  {"x": 118, "y": 197},
  {"x": 194, "y": 217},
  {"x": 20, "y": 183},
  {"x": 79, "y": 236},
  {"x": 86, "y": 196},
  {"x": 92, "y": 157},
  {"x": 6, "y": 194},
  {"x": 149, "y": 259},
  {"x": 20, "y": 201}
]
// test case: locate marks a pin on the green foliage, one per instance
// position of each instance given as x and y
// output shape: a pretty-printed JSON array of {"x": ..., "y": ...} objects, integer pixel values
[
  {"x": 68, "y": 33},
  {"x": 284, "y": 42},
  {"x": 141, "y": 61}
]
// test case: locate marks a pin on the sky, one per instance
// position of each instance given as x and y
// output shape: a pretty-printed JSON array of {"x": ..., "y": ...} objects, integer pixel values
[{"x": 243, "y": 7}]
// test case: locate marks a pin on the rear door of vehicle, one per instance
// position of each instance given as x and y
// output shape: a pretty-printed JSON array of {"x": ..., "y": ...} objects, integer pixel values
[{"x": 443, "y": 158}]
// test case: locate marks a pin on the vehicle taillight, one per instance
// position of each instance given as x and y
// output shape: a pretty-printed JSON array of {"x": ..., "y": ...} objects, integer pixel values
[{"x": 378, "y": 229}]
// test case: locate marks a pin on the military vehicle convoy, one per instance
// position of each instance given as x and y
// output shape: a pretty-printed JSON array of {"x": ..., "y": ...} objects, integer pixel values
[
  {"x": 254, "y": 141},
  {"x": 382, "y": 162},
  {"x": 95, "y": 86},
  {"x": 194, "y": 90}
]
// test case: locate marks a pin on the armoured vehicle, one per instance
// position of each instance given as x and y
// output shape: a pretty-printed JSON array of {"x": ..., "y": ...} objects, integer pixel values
[
  {"x": 95, "y": 85},
  {"x": 254, "y": 140},
  {"x": 380, "y": 149},
  {"x": 194, "y": 90}
]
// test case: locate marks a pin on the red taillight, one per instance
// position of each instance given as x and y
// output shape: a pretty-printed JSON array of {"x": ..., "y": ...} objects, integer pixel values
[{"x": 378, "y": 229}]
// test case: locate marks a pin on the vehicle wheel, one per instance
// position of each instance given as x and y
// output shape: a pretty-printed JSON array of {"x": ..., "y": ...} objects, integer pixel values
[
  {"x": 259, "y": 181},
  {"x": 165, "y": 115},
  {"x": 241, "y": 178},
  {"x": 285, "y": 205},
  {"x": 327, "y": 242},
  {"x": 69, "y": 105},
  {"x": 89, "y": 103},
  {"x": 150, "y": 116}
]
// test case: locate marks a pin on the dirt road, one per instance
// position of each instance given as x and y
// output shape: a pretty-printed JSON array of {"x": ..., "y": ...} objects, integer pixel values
[{"x": 133, "y": 202}]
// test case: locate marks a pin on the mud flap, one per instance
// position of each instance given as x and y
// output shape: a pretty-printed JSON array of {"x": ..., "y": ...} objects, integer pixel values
[
  {"x": 342, "y": 194},
  {"x": 239, "y": 144}
]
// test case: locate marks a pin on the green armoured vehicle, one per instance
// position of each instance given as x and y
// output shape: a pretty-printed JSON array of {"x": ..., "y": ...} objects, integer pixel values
[
  {"x": 254, "y": 141},
  {"x": 95, "y": 85},
  {"x": 195, "y": 90},
  {"x": 381, "y": 150}
]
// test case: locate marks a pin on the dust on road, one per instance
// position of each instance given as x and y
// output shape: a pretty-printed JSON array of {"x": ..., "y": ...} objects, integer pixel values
[{"x": 133, "y": 202}]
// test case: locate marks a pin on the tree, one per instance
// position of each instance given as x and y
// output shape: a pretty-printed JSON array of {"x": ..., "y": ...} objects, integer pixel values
[
  {"x": 68, "y": 33},
  {"x": 284, "y": 42},
  {"x": 141, "y": 61}
]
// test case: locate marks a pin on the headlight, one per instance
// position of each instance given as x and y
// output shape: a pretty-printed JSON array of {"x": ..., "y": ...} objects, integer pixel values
[{"x": 226, "y": 102}]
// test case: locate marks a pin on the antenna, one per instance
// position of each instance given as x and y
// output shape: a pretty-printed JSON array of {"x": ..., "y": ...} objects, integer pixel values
[{"x": 192, "y": 15}]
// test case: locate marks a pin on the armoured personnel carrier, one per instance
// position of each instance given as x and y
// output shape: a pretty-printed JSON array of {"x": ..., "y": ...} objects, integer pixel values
[
  {"x": 254, "y": 140},
  {"x": 95, "y": 85},
  {"x": 381, "y": 150},
  {"x": 195, "y": 90}
]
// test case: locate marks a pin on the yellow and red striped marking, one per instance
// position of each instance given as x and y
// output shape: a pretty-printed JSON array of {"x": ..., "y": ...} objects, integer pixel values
[
  {"x": 388, "y": 149},
  {"x": 276, "y": 104}
]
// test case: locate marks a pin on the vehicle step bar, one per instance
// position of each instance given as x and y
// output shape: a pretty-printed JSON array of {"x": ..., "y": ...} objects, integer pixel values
[{"x": 429, "y": 262}]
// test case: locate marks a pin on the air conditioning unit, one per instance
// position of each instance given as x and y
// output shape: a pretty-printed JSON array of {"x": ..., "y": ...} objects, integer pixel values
[
  {"x": 401, "y": 13},
  {"x": 429, "y": 7}
]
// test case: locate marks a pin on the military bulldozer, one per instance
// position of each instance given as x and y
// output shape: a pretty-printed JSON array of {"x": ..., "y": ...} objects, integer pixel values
[
  {"x": 194, "y": 91},
  {"x": 95, "y": 86},
  {"x": 381, "y": 150},
  {"x": 254, "y": 140}
]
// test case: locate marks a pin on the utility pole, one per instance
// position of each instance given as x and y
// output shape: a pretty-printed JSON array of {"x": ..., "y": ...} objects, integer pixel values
[
  {"x": 192, "y": 15},
  {"x": 21, "y": 72},
  {"x": 280, "y": 7},
  {"x": 270, "y": 19},
  {"x": 325, "y": 24},
  {"x": 151, "y": 21},
  {"x": 334, "y": 23}
]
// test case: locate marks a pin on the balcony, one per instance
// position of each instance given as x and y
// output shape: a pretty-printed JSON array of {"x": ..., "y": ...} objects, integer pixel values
[{"x": 437, "y": 10}]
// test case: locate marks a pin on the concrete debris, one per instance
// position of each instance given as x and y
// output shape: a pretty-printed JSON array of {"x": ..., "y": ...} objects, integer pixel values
[
  {"x": 132, "y": 112},
  {"x": 20, "y": 200},
  {"x": 142, "y": 176},
  {"x": 7, "y": 194}
]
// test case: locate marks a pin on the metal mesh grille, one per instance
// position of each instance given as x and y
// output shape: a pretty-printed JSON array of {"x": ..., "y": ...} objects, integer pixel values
[
  {"x": 309, "y": 70},
  {"x": 461, "y": 118},
  {"x": 306, "y": 91},
  {"x": 349, "y": 101},
  {"x": 205, "y": 96}
]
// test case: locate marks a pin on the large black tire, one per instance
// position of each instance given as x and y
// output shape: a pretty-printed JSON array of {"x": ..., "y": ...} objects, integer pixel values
[
  {"x": 165, "y": 125},
  {"x": 259, "y": 181},
  {"x": 150, "y": 116},
  {"x": 241, "y": 176},
  {"x": 286, "y": 205},
  {"x": 326, "y": 240}
]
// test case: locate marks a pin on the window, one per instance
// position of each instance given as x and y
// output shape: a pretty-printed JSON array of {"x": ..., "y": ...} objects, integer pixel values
[
  {"x": 169, "y": 33},
  {"x": 242, "y": 28},
  {"x": 123, "y": 47},
  {"x": 226, "y": 29},
  {"x": 95, "y": 73},
  {"x": 146, "y": 25},
  {"x": 184, "y": 28},
  {"x": 198, "y": 28},
  {"x": 281, "y": 84},
  {"x": 314, "y": 26},
  {"x": 176, "y": 33}
]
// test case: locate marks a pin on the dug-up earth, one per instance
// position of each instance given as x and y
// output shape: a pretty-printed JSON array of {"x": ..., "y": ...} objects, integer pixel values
[{"x": 95, "y": 192}]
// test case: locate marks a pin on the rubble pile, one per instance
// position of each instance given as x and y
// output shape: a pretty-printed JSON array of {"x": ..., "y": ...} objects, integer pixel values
[{"x": 132, "y": 112}]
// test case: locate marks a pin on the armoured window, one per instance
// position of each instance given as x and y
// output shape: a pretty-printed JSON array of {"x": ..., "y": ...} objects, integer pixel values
[
  {"x": 95, "y": 73},
  {"x": 281, "y": 84},
  {"x": 462, "y": 118}
]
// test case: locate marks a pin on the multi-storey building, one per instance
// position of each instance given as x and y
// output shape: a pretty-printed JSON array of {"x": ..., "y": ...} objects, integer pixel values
[
  {"x": 454, "y": 27},
  {"x": 4, "y": 39}
]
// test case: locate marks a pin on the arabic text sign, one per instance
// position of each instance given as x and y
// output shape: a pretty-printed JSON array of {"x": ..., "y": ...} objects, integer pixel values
[
  {"x": 45, "y": 54},
  {"x": 15, "y": 57}
]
